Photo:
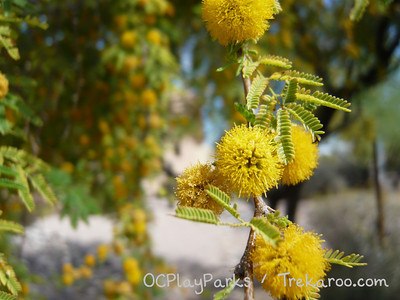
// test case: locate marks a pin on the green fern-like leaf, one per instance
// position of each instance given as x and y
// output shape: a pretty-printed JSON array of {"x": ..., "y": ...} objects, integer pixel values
[
  {"x": 7, "y": 296},
  {"x": 257, "y": 88},
  {"x": 7, "y": 42},
  {"x": 249, "y": 67},
  {"x": 223, "y": 294},
  {"x": 222, "y": 199},
  {"x": 23, "y": 158},
  {"x": 358, "y": 9},
  {"x": 196, "y": 214},
  {"x": 301, "y": 78},
  {"x": 337, "y": 257},
  {"x": 311, "y": 122},
  {"x": 8, "y": 171},
  {"x": 247, "y": 114},
  {"x": 269, "y": 232},
  {"x": 11, "y": 184},
  {"x": 276, "y": 61},
  {"x": 289, "y": 91},
  {"x": 25, "y": 193},
  {"x": 325, "y": 100},
  {"x": 8, "y": 278},
  {"x": 284, "y": 137},
  {"x": 263, "y": 117},
  {"x": 11, "y": 226},
  {"x": 277, "y": 220},
  {"x": 40, "y": 184}
]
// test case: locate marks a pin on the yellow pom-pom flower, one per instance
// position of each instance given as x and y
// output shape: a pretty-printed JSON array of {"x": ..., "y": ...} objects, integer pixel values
[
  {"x": 3, "y": 85},
  {"x": 305, "y": 158},
  {"x": 90, "y": 260},
  {"x": 102, "y": 252},
  {"x": 290, "y": 269},
  {"x": 192, "y": 185},
  {"x": 132, "y": 270},
  {"x": 247, "y": 160},
  {"x": 233, "y": 21}
]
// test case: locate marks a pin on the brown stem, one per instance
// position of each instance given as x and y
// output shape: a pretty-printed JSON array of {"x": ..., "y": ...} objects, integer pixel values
[
  {"x": 246, "y": 85},
  {"x": 244, "y": 269}
]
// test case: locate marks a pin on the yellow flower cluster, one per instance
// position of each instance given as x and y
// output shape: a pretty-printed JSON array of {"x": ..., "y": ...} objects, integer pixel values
[
  {"x": 305, "y": 157},
  {"x": 132, "y": 271},
  {"x": 85, "y": 271},
  {"x": 299, "y": 255},
  {"x": 71, "y": 274},
  {"x": 246, "y": 158},
  {"x": 192, "y": 185},
  {"x": 234, "y": 21},
  {"x": 114, "y": 289},
  {"x": 3, "y": 86}
]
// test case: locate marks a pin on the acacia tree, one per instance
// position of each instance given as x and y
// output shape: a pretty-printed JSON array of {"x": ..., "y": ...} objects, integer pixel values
[{"x": 276, "y": 144}]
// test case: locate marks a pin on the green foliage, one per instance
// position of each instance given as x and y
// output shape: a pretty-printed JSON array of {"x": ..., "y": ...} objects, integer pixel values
[
  {"x": 263, "y": 117},
  {"x": 246, "y": 113},
  {"x": 263, "y": 227},
  {"x": 289, "y": 92},
  {"x": 324, "y": 99},
  {"x": 249, "y": 67},
  {"x": 310, "y": 121},
  {"x": 337, "y": 257},
  {"x": 11, "y": 226},
  {"x": 222, "y": 199},
  {"x": 8, "y": 278},
  {"x": 223, "y": 294},
  {"x": 284, "y": 137},
  {"x": 196, "y": 214},
  {"x": 22, "y": 168},
  {"x": 276, "y": 61},
  {"x": 7, "y": 43},
  {"x": 77, "y": 201},
  {"x": 302, "y": 78},
  {"x": 258, "y": 86},
  {"x": 7, "y": 296},
  {"x": 277, "y": 220},
  {"x": 358, "y": 9}
]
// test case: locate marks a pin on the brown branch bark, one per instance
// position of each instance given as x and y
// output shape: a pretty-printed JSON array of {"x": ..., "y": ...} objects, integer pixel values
[{"x": 244, "y": 269}]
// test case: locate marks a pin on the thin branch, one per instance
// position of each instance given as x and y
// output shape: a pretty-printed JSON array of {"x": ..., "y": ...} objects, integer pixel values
[{"x": 244, "y": 269}]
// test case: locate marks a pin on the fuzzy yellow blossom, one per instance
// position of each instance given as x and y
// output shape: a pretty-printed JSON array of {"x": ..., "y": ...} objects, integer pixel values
[
  {"x": 148, "y": 97},
  {"x": 68, "y": 279},
  {"x": 299, "y": 254},
  {"x": 128, "y": 39},
  {"x": 132, "y": 270},
  {"x": 305, "y": 157},
  {"x": 247, "y": 160},
  {"x": 85, "y": 272},
  {"x": 130, "y": 63},
  {"x": 138, "y": 81},
  {"x": 68, "y": 268},
  {"x": 3, "y": 85},
  {"x": 192, "y": 185},
  {"x": 154, "y": 37},
  {"x": 234, "y": 21},
  {"x": 90, "y": 260},
  {"x": 110, "y": 288},
  {"x": 102, "y": 252}
]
